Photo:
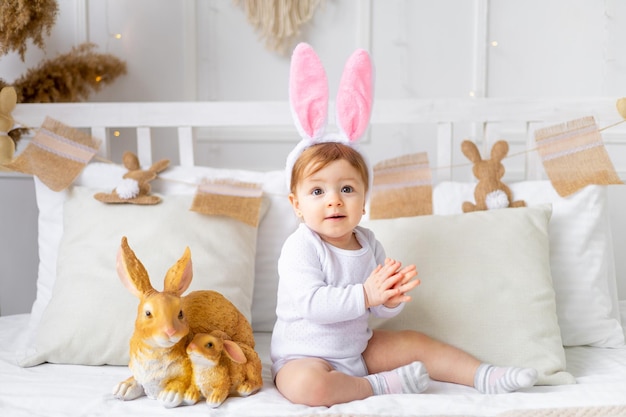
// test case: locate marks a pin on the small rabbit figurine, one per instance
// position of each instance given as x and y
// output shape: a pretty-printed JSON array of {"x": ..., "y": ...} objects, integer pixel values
[
  {"x": 135, "y": 187},
  {"x": 8, "y": 101},
  {"x": 165, "y": 324},
  {"x": 490, "y": 192},
  {"x": 221, "y": 367}
]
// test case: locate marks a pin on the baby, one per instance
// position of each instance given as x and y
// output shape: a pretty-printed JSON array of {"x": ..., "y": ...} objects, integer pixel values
[{"x": 334, "y": 273}]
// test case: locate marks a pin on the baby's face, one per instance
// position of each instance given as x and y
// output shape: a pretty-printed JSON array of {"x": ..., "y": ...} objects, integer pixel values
[{"x": 331, "y": 202}]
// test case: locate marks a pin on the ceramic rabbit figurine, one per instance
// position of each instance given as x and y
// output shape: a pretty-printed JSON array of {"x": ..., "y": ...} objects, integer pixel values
[
  {"x": 222, "y": 367},
  {"x": 165, "y": 323}
]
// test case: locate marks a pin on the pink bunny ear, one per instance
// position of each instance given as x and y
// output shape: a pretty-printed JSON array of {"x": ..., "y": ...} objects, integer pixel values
[
  {"x": 355, "y": 95},
  {"x": 308, "y": 92}
]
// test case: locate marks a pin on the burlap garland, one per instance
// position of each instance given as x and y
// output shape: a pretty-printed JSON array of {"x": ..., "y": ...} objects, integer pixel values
[
  {"x": 574, "y": 156},
  {"x": 402, "y": 187},
  {"x": 56, "y": 155},
  {"x": 225, "y": 197}
]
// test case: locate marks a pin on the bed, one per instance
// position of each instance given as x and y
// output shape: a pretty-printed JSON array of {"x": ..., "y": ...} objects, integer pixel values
[{"x": 552, "y": 298}]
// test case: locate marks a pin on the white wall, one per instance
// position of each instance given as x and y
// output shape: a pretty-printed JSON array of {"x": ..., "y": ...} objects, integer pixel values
[{"x": 206, "y": 50}]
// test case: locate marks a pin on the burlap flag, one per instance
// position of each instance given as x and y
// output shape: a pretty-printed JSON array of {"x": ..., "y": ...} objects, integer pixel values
[
  {"x": 574, "y": 156},
  {"x": 57, "y": 154},
  {"x": 402, "y": 187},
  {"x": 239, "y": 200}
]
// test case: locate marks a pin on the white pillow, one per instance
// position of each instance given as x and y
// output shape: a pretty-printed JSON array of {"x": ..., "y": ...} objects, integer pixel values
[
  {"x": 581, "y": 256},
  {"x": 485, "y": 285},
  {"x": 89, "y": 319},
  {"x": 273, "y": 229},
  {"x": 50, "y": 230}
]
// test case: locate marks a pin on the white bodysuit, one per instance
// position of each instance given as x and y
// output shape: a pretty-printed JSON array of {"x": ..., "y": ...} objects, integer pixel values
[{"x": 321, "y": 304}]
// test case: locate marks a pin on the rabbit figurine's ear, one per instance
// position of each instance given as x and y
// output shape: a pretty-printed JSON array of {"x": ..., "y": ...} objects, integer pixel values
[
  {"x": 8, "y": 100},
  {"x": 131, "y": 271},
  {"x": 470, "y": 150},
  {"x": 179, "y": 275},
  {"x": 621, "y": 107},
  {"x": 499, "y": 150},
  {"x": 234, "y": 352},
  {"x": 355, "y": 95},
  {"x": 131, "y": 161},
  {"x": 308, "y": 92}
]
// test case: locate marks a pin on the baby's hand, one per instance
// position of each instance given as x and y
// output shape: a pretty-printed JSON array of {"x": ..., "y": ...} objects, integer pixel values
[
  {"x": 388, "y": 284},
  {"x": 404, "y": 286}
]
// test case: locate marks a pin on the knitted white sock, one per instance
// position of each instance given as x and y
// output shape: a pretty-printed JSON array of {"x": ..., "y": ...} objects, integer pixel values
[
  {"x": 407, "y": 379},
  {"x": 490, "y": 379}
]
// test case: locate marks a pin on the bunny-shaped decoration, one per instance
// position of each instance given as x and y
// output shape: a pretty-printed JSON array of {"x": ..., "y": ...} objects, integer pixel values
[
  {"x": 308, "y": 97},
  {"x": 134, "y": 187},
  {"x": 490, "y": 192},
  {"x": 221, "y": 367},
  {"x": 165, "y": 324},
  {"x": 8, "y": 101}
]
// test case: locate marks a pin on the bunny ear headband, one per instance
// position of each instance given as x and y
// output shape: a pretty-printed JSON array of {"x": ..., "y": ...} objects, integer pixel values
[{"x": 308, "y": 97}]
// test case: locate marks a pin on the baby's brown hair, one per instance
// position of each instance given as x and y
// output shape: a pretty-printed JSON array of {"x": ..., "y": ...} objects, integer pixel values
[{"x": 321, "y": 155}]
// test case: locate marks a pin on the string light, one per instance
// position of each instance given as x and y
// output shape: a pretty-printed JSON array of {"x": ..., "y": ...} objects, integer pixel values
[
  {"x": 494, "y": 43},
  {"x": 116, "y": 133},
  {"x": 116, "y": 36}
]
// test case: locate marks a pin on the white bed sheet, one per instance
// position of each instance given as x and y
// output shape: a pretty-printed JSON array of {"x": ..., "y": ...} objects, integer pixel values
[{"x": 70, "y": 390}]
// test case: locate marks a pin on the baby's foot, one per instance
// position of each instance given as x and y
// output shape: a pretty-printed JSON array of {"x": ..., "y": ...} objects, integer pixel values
[
  {"x": 407, "y": 379},
  {"x": 490, "y": 379}
]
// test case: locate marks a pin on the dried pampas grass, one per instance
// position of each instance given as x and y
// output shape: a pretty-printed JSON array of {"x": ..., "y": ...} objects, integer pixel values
[
  {"x": 279, "y": 21},
  {"x": 21, "y": 20},
  {"x": 68, "y": 77}
]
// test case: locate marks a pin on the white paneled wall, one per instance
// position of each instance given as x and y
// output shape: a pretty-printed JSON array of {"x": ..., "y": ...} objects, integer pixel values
[{"x": 206, "y": 50}]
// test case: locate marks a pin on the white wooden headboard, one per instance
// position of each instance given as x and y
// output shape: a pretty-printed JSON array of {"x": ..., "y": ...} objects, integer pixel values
[
  {"x": 451, "y": 120},
  {"x": 258, "y": 136}
]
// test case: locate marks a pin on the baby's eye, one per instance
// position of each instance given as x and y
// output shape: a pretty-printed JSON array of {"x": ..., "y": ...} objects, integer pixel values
[
  {"x": 347, "y": 189},
  {"x": 317, "y": 191}
]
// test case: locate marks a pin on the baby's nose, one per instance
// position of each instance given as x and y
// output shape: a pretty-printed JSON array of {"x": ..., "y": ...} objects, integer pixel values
[{"x": 334, "y": 198}]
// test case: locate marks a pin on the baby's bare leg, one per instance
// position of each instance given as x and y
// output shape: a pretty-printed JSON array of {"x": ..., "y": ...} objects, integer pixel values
[
  {"x": 388, "y": 350},
  {"x": 314, "y": 382}
]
